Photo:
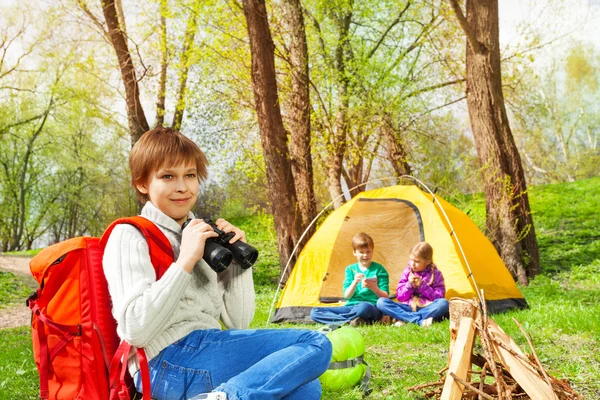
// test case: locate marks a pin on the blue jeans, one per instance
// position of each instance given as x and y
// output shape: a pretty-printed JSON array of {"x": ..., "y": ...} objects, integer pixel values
[
  {"x": 246, "y": 364},
  {"x": 342, "y": 314},
  {"x": 402, "y": 312}
]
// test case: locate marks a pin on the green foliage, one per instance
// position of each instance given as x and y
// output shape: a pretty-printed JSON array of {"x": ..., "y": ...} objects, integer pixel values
[
  {"x": 556, "y": 114},
  {"x": 61, "y": 153},
  {"x": 260, "y": 232},
  {"x": 580, "y": 70}
]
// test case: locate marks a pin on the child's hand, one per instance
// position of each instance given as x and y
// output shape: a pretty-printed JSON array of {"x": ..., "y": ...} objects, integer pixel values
[
  {"x": 371, "y": 283},
  {"x": 227, "y": 227},
  {"x": 415, "y": 280},
  {"x": 358, "y": 277},
  {"x": 193, "y": 239}
]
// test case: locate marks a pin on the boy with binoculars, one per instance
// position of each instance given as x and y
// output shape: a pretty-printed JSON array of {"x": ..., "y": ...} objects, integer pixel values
[{"x": 177, "y": 319}]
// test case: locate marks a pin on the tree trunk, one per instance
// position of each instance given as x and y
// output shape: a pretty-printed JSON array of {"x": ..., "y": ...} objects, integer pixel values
[
  {"x": 121, "y": 16},
  {"x": 188, "y": 42},
  {"x": 135, "y": 113},
  {"x": 509, "y": 222},
  {"x": 282, "y": 195},
  {"x": 354, "y": 176},
  {"x": 359, "y": 160},
  {"x": 164, "y": 60},
  {"x": 21, "y": 212},
  {"x": 395, "y": 148},
  {"x": 299, "y": 107},
  {"x": 334, "y": 173},
  {"x": 337, "y": 145}
]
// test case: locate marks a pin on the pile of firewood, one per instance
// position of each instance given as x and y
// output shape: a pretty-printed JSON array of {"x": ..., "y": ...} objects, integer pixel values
[{"x": 503, "y": 371}]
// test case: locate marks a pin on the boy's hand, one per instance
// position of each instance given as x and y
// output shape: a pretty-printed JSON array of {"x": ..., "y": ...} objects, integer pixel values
[
  {"x": 358, "y": 277},
  {"x": 193, "y": 239},
  {"x": 371, "y": 283},
  {"x": 227, "y": 227}
]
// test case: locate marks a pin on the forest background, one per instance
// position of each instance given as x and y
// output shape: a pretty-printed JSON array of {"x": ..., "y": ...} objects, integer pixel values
[{"x": 392, "y": 73}]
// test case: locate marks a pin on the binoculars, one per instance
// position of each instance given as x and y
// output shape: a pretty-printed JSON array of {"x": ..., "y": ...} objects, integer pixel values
[{"x": 218, "y": 252}]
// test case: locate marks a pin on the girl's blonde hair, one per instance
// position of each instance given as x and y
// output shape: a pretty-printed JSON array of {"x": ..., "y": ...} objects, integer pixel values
[
  {"x": 163, "y": 147},
  {"x": 423, "y": 250}
]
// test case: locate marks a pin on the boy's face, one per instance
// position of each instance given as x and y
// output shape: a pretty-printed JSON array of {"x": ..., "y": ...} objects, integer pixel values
[
  {"x": 173, "y": 190},
  {"x": 418, "y": 263},
  {"x": 364, "y": 255}
]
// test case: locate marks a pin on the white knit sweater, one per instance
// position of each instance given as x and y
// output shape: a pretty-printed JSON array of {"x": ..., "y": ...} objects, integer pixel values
[{"x": 153, "y": 314}]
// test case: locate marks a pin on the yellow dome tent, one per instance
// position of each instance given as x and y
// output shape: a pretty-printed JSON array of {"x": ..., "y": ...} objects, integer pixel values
[{"x": 397, "y": 217}]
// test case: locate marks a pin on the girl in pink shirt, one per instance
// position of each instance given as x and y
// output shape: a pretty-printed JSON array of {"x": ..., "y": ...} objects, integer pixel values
[{"x": 420, "y": 292}]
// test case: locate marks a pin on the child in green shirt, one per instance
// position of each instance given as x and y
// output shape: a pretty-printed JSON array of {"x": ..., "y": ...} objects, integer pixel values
[{"x": 365, "y": 282}]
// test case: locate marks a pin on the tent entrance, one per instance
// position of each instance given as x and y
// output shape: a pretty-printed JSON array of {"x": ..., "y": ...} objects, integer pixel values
[{"x": 395, "y": 226}]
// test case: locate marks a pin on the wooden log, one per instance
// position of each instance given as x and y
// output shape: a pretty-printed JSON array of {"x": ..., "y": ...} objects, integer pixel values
[
  {"x": 461, "y": 360},
  {"x": 458, "y": 309},
  {"x": 533, "y": 353},
  {"x": 487, "y": 349},
  {"x": 523, "y": 372}
]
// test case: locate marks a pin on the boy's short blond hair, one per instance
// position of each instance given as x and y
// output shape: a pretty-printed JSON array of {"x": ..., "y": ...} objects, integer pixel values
[
  {"x": 362, "y": 240},
  {"x": 163, "y": 147}
]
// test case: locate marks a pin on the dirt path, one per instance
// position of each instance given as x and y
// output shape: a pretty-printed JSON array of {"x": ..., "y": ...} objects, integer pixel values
[
  {"x": 14, "y": 316},
  {"x": 15, "y": 264},
  {"x": 19, "y": 314}
]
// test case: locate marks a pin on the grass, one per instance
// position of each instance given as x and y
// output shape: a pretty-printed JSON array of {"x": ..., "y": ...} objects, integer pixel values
[
  {"x": 18, "y": 375},
  {"x": 27, "y": 253},
  {"x": 563, "y": 319},
  {"x": 12, "y": 290}
]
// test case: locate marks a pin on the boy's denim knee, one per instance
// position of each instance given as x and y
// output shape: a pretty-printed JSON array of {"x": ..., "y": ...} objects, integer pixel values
[
  {"x": 367, "y": 311},
  {"x": 322, "y": 343},
  {"x": 382, "y": 302}
]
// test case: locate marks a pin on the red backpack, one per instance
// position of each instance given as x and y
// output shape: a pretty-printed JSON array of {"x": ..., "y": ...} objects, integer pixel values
[{"x": 75, "y": 342}]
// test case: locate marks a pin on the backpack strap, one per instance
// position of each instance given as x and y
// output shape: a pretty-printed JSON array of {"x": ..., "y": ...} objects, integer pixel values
[
  {"x": 161, "y": 256},
  {"x": 161, "y": 252},
  {"x": 68, "y": 333},
  {"x": 118, "y": 371},
  {"x": 351, "y": 363}
]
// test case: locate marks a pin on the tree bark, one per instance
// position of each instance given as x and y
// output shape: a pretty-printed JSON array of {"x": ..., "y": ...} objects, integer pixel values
[
  {"x": 282, "y": 195},
  {"x": 164, "y": 60},
  {"x": 135, "y": 113},
  {"x": 509, "y": 222},
  {"x": 354, "y": 176},
  {"x": 21, "y": 212},
  {"x": 299, "y": 110},
  {"x": 359, "y": 161},
  {"x": 337, "y": 142},
  {"x": 188, "y": 42},
  {"x": 395, "y": 148}
]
